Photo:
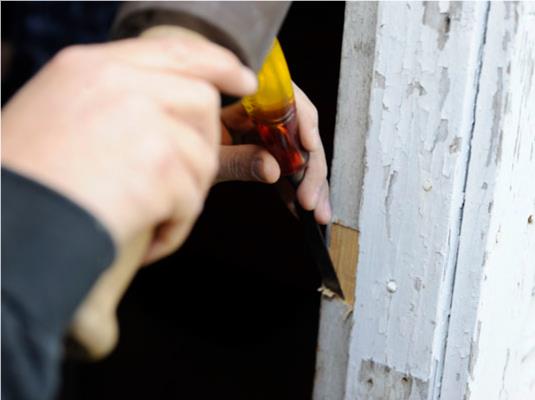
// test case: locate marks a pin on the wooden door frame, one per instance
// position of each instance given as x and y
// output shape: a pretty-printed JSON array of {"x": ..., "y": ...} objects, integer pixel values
[{"x": 432, "y": 145}]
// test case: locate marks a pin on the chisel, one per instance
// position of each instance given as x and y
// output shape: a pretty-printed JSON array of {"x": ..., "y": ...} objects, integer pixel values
[{"x": 273, "y": 111}]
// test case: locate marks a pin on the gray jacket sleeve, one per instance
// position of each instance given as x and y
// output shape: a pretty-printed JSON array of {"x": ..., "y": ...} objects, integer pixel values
[
  {"x": 246, "y": 28},
  {"x": 52, "y": 253}
]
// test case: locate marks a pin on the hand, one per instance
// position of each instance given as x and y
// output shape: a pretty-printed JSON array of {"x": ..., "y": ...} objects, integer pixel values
[
  {"x": 251, "y": 162},
  {"x": 129, "y": 130}
]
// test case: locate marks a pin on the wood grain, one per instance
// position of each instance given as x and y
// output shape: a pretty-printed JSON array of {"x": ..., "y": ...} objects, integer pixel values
[{"x": 344, "y": 249}]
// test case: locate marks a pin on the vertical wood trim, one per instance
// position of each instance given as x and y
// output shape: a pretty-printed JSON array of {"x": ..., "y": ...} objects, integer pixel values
[
  {"x": 356, "y": 67},
  {"x": 331, "y": 360},
  {"x": 491, "y": 340},
  {"x": 427, "y": 58},
  {"x": 443, "y": 197}
]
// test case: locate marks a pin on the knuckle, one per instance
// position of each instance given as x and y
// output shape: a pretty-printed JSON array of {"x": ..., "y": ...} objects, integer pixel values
[
  {"x": 136, "y": 105},
  {"x": 192, "y": 201},
  {"x": 70, "y": 56},
  {"x": 227, "y": 63},
  {"x": 207, "y": 165},
  {"x": 165, "y": 159},
  {"x": 212, "y": 165},
  {"x": 170, "y": 44},
  {"x": 110, "y": 72},
  {"x": 208, "y": 94},
  {"x": 159, "y": 158},
  {"x": 82, "y": 57},
  {"x": 234, "y": 168}
]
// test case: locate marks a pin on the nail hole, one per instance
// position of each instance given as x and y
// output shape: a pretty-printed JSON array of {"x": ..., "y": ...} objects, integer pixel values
[
  {"x": 530, "y": 219},
  {"x": 447, "y": 24}
]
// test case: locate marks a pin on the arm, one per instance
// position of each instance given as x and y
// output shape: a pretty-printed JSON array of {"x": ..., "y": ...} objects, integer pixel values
[
  {"x": 52, "y": 252},
  {"x": 122, "y": 136}
]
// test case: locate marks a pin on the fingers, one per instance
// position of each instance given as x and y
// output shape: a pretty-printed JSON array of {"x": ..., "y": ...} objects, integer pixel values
[
  {"x": 243, "y": 163},
  {"x": 322, "y": 212},
  {"x": 187, "y": 100},
  {"x": 167, "y": 237},
  {"x": 187, "y": 55},
  {"x": 310, "y": 190},
  {"x": 313, "y": 192},
  {"x": 186, "y": 174},
  {"x": 236, "y": 119},
  {"x": 307, "y": 117},
  {"x": 247, "y": 163},
  {"x": 226, "y": 139}
]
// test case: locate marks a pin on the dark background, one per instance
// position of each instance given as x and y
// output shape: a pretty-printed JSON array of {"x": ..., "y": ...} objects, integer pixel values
[{"x": 234, "y": 313}]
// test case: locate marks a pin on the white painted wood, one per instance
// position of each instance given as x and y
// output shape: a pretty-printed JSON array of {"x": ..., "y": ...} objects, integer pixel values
[
  {"x": 346, "y": 181},
  {"x": 427, "y": 58},
  {"x": 491, "y": 341},
  {"x": 443, "y": 193}
]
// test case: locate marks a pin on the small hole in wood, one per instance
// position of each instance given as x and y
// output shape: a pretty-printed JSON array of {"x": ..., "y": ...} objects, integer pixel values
[
  {"x": 404, "y": 380},
  {"x": 369, "y": 382},
  {"x": 447, "y": 24},
  {"x": 530, "y": 219}
]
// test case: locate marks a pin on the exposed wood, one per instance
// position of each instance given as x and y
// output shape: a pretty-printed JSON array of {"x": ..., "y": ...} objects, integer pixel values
[
  {"x": 491, "y": 340},
  {"x": 346, "y": 181},
  {"x": 344, "y": 249},
  {"x": 331, "y": 360},
  {"x": 426, "y": 69},
  {"x": 356, "y": 75},
  {"x": 441, "y": 192}
]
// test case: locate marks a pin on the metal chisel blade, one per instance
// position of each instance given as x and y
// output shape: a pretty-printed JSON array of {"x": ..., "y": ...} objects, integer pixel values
[{"x": 320, "y": 254}]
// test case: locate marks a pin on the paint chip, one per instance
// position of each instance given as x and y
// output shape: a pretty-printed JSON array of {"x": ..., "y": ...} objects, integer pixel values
[
  {"x": 418, "y": 284},
  {"x": 326, "y": 292},
  {"x": 455, "y": 145}
]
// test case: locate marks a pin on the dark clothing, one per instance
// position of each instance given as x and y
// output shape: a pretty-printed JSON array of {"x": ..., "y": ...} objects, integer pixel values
[
  {"x": 52, "y": 253},
  {"x": 36, "y": 30}
]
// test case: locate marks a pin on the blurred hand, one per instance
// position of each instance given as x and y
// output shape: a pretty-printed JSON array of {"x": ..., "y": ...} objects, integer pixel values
[
  {"x": 129, "y": 130},
  {"x": 252, "y": 162}
]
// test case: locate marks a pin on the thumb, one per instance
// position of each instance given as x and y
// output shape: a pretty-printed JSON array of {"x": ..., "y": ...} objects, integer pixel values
[{"x": 247, "y": 162}]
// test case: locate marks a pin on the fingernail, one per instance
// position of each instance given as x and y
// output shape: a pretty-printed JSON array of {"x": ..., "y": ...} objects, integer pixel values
[
  {"x": 250, "y": 80},
  {"x": 257, "y": 169}
]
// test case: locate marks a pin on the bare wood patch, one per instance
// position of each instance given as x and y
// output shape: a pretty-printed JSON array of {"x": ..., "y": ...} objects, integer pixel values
[{"x": 344, "y": 249}]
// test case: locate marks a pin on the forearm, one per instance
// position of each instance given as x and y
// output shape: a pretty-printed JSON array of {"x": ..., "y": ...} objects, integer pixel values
[{"x": 52, "y": 253}]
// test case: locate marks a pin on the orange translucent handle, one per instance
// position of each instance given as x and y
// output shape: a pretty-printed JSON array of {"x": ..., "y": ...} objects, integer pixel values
[{"x": 272, "y": 109}]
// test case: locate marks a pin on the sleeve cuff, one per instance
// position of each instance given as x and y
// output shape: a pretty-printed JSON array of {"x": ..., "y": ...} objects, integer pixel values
[{"x": 52, "y": 252}]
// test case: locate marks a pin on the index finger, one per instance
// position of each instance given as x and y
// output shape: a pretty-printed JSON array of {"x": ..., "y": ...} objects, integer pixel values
[{"x": 188, "y": 55}]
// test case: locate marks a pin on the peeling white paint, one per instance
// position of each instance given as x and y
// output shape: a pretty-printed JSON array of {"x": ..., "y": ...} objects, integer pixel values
[
  {"x": 356, "y": 68},
  {"x": 416, "y": 154},
  {"x": 491, "y": 339},
  {"x": 442, "y": 191}
]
